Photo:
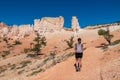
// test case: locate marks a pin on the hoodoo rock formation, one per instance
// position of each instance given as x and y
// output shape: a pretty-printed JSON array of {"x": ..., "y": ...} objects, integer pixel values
[
  {"x": 14, "y": 31},
  {"x": 43, "y": 25},
  {"x": 4, "y": 29},
  {"x": 24, "y": 30},
  {"x": 48, "y": 24},
  {"x": 75, "y": 24}
]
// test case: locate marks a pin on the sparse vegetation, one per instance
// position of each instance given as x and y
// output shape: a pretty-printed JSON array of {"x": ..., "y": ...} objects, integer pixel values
[
  {"x": 105, "y": 47},
  {"x": 17, "y": 42},
  {"x": 31, "y": 45},
  {"x": 20, "y": 72},
  {"x": 70, "y": 54},
  {"x": 67, "y": 55},
  {"x": 9, "y": 46},
  {"x": 106, "y": 35},
  {"x": 115, "y": 42},
  {"x": 45, "y": 61},
  {"x": 5, "y": 53},
  {"x": 36, "y": 72},
  {"x": 52, "y": 56},
  {"x": 13, "y": 66},
  {"x": 31, "y": 55},
  {"x": 2, "y": 69},
  {"x": 40, "y": 42},
  {"x": 24, "y": 64},
  {"x": 26, "y": 50},
  {"x": 55, "y": 59},
  {"x": 70, "y": 42},
  {"x": 5, "y": 39}
]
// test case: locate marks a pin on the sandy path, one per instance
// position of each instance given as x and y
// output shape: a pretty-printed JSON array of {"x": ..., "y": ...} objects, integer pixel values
[{"x": 65, "y": 70}]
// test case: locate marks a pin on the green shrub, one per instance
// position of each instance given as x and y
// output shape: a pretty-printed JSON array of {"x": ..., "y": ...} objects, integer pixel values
[
  {"x": 52, "y": 54},
  {"x": 115, "y": 42},
  {"x": 45, "y": 60},
  {"x": 17, "y": 42},
  {"x": 31, "y": 55},
  {"x": 13, "y": 66},
  {"x": 36, "y": 72},
  {"x": 26, "y": 50},
  {"x": 101, "y": 32},
  {"x": 70, "y": 54},
  {"x": 105, "y": 47},
  {"x": 70, "y": 42},
  {"x": 24, "y": 64},
  {"x": 5, "y": 39},
  {"x": 106, "y": 35},
  {"x": 9, "y": 46},
  {"x": 5, "y": 53},
  {"x": 39, "y": 43}
]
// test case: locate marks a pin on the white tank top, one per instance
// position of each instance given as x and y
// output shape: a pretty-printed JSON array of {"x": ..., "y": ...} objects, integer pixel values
[{"x": 79, "y": 48}]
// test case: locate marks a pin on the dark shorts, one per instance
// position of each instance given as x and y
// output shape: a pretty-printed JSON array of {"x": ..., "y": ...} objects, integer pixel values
[{"x": 78, "y": 55}]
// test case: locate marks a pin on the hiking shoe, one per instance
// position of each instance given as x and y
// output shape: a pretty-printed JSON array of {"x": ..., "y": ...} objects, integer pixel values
[{"x": 76, "y": 68}]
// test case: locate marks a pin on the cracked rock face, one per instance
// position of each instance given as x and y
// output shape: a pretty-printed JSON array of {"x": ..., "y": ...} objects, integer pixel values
[
  {"x": 24, "y": 30},
  {"x": 48, "y": 24},
  {"x": 14, "y": 31},
  {"x": 43, "y": 25},
  {"x": 4, "y": 30}
]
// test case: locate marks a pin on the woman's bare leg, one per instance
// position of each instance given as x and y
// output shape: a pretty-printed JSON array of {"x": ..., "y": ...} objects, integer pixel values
[
  {"x": 77, "y": 61},
  {"x": 80, "y": 62}
]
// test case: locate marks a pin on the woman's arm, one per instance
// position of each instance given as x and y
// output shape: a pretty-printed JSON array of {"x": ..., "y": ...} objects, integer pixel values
[{"x": 75, "y": 47}]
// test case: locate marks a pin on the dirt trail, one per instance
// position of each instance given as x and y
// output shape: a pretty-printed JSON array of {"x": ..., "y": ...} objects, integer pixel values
[{"x": 65, "y": 70}]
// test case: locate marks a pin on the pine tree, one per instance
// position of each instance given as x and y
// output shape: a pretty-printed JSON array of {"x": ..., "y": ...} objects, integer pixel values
[
  {"x": 106, "y": 34},
  {"x": 40, "y": 41}
]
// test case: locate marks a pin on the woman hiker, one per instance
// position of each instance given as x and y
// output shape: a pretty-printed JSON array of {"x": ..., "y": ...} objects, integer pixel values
[{"x": 78, "y": 55}]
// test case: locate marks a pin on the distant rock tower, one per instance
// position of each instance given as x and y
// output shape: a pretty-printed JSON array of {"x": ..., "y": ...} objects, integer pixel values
[
  {"x": 48, "y": 24},
  {"x": 75, "y": 24}
]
